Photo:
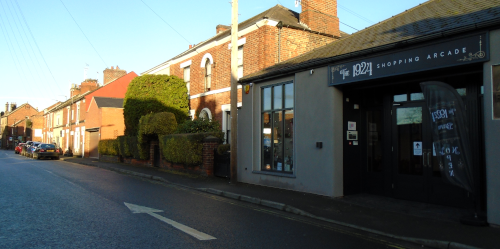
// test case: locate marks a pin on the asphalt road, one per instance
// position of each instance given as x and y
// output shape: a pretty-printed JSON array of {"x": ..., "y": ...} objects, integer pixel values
[{"x": 56, "y": 204}]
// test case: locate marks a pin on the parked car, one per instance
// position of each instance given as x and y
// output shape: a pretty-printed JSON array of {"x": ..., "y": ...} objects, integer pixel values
[
  {"x": 19, "y": 148},
  {"x": 24, "y": 149},
  {"x": 29, "y": 151},
  {"x": 46, "y": 150}
]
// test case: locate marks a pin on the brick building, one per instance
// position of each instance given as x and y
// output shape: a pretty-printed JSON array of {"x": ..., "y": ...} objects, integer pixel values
[
  {"x": 104, "y": 121},
  {"x": 274, "y": 35},
  {"x": 12, "y": 123},
  {"x": 65, "y": 123}
]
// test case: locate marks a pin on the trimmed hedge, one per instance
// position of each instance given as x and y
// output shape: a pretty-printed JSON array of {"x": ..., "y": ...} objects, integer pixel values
[
  {"x": 185, "y": 149},
  {"x": 109, "y": 147},
  {"x": 128, "y": 147},
  {"x": 200, "y": 126},
  {"x": 156, "y": 124},
  {"x": 152, "y": 94}
]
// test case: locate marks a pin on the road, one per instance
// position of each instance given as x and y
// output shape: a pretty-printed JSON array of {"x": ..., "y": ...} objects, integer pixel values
[{"x": 56, "y": 204}]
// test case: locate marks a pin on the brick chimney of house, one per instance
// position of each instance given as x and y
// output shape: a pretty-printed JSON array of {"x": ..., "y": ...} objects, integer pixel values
[
  {"x": 112, "y": 74},
  {"x": 88, "y": 85},
  {"x": 13, "y": 106},
  {"x": 221, "y": 28},
  {"x": 74, "y": 90},
  {"x": 6, "y": 108},
  {"x": 321, "y": 16}
]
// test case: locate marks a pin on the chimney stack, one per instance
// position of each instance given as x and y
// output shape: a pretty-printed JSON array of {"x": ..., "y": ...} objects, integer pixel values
[
  {"x": 221, "y": 28},
  {"x": 13, "y": 106},
  {"x": 321, "y": 16},
  {"x": 7, "y": 108},
  {"x": 112, "y": 74}
]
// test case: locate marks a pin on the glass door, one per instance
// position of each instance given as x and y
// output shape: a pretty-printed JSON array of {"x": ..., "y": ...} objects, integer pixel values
[{"x": 411, "y": 147}]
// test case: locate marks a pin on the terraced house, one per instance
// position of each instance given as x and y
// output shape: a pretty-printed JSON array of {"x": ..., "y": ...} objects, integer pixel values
[{"x": 270, "y": 37}]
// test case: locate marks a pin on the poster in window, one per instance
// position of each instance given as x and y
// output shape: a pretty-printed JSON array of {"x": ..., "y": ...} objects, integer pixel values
[{"x": 496, "y": 91}]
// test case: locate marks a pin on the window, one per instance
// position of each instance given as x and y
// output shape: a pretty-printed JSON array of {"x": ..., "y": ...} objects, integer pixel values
[
  {"x": 205, "y": 114},
  {"x": 240, "y": 62},
  {"x": 277, "y": 128},
  {"x": 208, "y": 75},
  {"x": 187, "y": 76},
  {"x": 78, "y": 112}
]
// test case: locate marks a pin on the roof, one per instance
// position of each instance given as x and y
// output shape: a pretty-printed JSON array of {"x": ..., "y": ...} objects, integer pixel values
[
  {"x": 289, "y": 18},
  {"x": 18, "y": 108},
  {"x": 108, "y": 102},
  {"x": 430, "y": 20}
]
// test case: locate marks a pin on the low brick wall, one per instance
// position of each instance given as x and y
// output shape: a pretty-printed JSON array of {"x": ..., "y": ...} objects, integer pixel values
[
  {"x": 109, "y": 159},
  {"x": 205, "y": 169}
]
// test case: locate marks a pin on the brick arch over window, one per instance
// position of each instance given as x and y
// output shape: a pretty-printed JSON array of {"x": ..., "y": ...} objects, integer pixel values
[
  {"x": 205, "y": 114},
  {"x": 207, "y": 56}
]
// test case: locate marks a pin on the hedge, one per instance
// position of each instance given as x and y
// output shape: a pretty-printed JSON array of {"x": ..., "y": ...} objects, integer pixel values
[
  {"x": 156, "y": 124},
  {"x": 109, "y": 147},
  {"x": 152, "y": 94},
  {"x": 201, "y": 126},
  {"x": 128, "y": 147},
  {"x": 184, "y": 149}
]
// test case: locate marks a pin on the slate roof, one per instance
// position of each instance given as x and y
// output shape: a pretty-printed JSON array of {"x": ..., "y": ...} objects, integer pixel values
[
  {"x": 430, "y": 20},
  {"x": 278, "y": 13},
  {"x": 108, "y": 102}
]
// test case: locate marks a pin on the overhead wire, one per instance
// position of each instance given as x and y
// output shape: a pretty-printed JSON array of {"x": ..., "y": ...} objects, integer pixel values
[
  {"x": 26, "y": 48},
  {"x": 105, "y": 64},
  {"x": 9, "y": 45},
  {"x": 36, "y": 44},
  {"x": 166, "y": 22},
  {"x": 38, "y": 48}
]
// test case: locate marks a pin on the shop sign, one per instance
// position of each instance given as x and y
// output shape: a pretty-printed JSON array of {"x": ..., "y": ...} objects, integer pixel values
[{"x": 462, "y": 51}]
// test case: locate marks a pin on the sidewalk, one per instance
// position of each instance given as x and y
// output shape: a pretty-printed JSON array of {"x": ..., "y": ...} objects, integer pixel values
[{"x": 426, "y": 224}]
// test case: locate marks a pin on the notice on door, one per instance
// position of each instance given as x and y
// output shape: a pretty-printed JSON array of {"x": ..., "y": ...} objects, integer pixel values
[{"x": 417, "y": 148}]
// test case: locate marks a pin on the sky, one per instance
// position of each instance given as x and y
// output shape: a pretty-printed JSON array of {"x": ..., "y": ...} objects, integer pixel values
[{"x": 45, "y": 45}]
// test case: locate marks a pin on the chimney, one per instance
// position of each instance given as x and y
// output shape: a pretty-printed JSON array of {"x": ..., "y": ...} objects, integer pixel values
[
  {"x": 7, "y": 108},
  {"x": 13, "y": 106},
  {"x": 74, "y": 90},
  {"x": 190, "y": 46},
  {"x": 221, "y": 28},
  {"x": 321, "y": 16},
  {"x": 112, "y": 74},
  {"x": 88, "y": 85}
]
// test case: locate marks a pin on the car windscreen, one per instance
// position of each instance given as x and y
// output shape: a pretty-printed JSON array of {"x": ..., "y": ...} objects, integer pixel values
[{"x": 47, "y": 146}]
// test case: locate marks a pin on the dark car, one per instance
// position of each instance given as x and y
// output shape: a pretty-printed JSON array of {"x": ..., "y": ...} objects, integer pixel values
[
  {"x": 31, "y": 148},
  {"x": 19, "y": 148},
  {"x": 46, "y": 150}
]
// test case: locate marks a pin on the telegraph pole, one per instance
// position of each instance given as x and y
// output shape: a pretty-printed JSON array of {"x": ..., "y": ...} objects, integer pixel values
[{"x": 234, "y": 92}]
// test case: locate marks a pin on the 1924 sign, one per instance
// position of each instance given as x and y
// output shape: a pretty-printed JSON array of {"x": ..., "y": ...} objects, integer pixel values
[{"x": 470, "y": 49}]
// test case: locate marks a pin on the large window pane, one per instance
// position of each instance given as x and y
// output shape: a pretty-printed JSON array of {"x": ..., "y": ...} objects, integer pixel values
[
  {"x": 266, "y": 99},
  {"x": 266, "y": 140},
  {"x": 277, "y": 141},
  {"x": 288, "y": 141},
  {"x": 289, "y": 95},
  {"x": 278, "y": 97}
]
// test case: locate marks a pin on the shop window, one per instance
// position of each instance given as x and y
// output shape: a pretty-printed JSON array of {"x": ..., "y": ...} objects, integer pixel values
[{"x": 277, "y": 128}]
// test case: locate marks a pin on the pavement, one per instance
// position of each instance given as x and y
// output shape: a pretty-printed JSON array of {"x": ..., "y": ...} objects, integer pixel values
[{"x": 426, "y": 224}]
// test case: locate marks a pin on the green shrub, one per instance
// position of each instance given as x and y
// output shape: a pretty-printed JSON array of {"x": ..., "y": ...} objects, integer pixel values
[
  {"x": 185, "y": 149},
  {"x": 200, "y": 126},
  {"x": 109, "y": 147},
  {"x": 223, "y": 148},
  {"x": 152, "y": 94},
  {"x": 156, "y": 124}
]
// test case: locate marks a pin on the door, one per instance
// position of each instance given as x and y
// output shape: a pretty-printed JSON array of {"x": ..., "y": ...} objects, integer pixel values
[
  {"x": 94, "y": 141},
  {"x": 416, "y": 174}
]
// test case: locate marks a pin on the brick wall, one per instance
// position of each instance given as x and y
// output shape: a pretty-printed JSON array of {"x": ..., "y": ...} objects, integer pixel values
[
  {"x": 264, "y": 47},
  {"x": 113, "y": 124},
  {"x": 321, "y": 16}
]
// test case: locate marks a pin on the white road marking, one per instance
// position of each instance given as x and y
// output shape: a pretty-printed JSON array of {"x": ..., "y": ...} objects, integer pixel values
[{"x": 136, "y": 209}]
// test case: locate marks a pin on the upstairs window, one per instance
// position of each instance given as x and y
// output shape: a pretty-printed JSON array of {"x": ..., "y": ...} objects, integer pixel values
[
  {"x": 187, "y": 77},
  {"x": 208, "y": 76}
]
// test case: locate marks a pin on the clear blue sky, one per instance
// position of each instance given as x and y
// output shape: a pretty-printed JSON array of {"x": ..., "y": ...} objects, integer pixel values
[{"x": 124, "y": 33}]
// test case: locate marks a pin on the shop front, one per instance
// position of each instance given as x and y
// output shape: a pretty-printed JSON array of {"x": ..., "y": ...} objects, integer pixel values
[{"x": 388, "y": 146}]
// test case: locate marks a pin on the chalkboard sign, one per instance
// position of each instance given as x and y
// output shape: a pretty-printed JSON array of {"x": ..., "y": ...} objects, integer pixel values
[{"x": 449, "y": 133}]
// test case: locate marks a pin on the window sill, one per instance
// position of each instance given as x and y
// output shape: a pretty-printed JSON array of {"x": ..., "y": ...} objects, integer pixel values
[{"x": 274, "y": 174}]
